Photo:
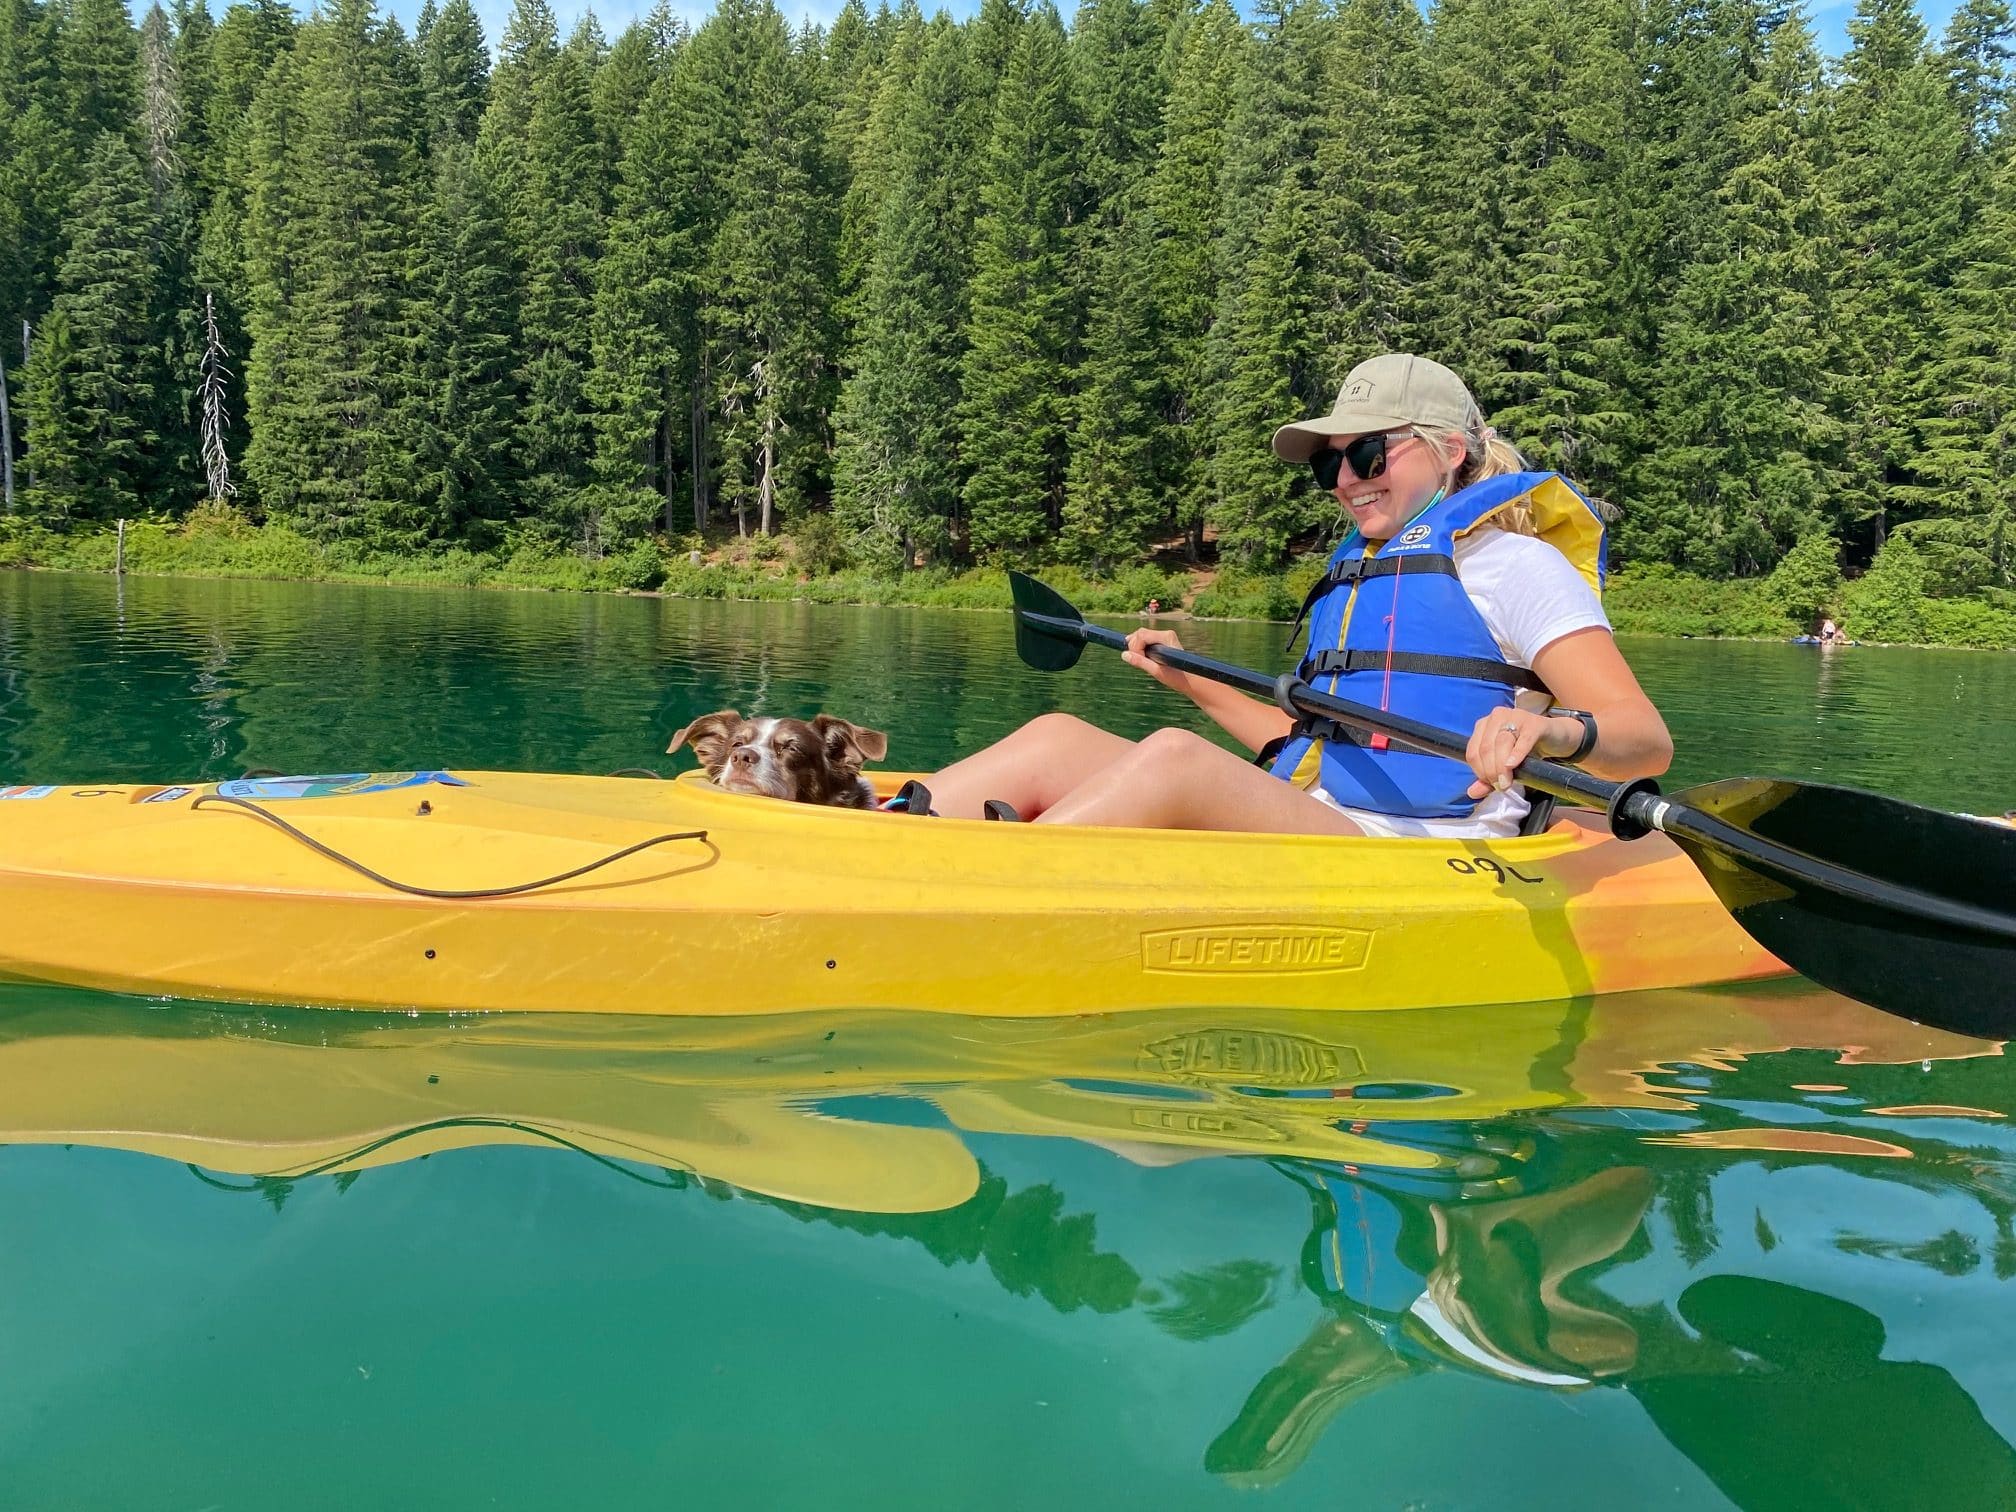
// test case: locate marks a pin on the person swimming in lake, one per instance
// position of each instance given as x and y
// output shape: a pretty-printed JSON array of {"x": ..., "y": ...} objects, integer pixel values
[{"x": 1465, "y": 596}]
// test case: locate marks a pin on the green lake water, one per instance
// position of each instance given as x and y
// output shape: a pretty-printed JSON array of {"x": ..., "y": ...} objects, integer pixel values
[{"x": 1721, "y": 1248}]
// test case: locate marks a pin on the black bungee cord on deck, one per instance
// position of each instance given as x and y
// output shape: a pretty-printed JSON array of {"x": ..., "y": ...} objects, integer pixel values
[{"x": 437, "y": 892}]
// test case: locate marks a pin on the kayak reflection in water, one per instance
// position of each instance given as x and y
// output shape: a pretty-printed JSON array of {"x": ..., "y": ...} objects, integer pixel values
[
  {"x": 1778, "y": 1394},
  {"x": 1465, "y": 596}
]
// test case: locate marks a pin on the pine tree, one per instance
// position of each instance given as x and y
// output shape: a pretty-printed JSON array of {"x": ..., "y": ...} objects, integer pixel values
[
  {"x": 275, "y": 272},
  {"x": 337, "y": 297},
  {"x": 885, "y": 93},
  {"x": 1368, "y": 159},
  {"x": 1266, "y": 362},
  {"x": 1116, "y": 66},
  {"x": 1742, "y": 471},
  {"x": 562, "y": 202},
  {"x": 460, "y": 427},
  {"x": 991, "y": 37},
  {"x": 196, "y": 80},
  {"x": 1182, "y": 202},
  {"x": 589, "y": 45},
  {"x": 454, "y": 73},
  {"x": 1897, "y": 148},
  {"x": 625, "y": 78},
  {"x": 1263, "y": 505},
  {"x": 850, "y": 76},
  {"x": 177, "y": 476},
  {"x": 1014, "y": 405},
  {"x": 525, "y": 54},
  {"x": 1113, "y": 508},
  {"x": 640, "y": 291},
  {"x": 36, "y": 165},
  {"x": 767, "y": 312},
  {"x": 98, "y": 63},
  {"x": 1977, "y": 56},
  {"x": 247, "y": 40},
  {"x": 92, "y": 385},
  {"x": 1970, "y": 458},
  {"x": 896, "y": 472},
  {"x": 1552, "y": 364}
]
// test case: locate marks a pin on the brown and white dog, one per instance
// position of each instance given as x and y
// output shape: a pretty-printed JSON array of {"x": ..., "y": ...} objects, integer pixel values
[{"x": 815, "y": 761}]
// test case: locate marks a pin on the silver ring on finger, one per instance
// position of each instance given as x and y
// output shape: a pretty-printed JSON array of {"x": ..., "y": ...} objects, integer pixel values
[{"x": 1510, "y": 729}]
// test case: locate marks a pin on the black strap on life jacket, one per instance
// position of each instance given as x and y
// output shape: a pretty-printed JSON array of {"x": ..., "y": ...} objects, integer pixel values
[
  {"x": 1304, "y": 729},
  {"x": 1356, "y": 570},
  {"x": 1476, "y": 668}
]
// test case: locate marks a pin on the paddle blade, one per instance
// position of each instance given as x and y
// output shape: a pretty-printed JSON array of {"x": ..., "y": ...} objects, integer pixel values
[
  {"x": 1048, "y": 647},
  {"x": 1905, "y": 908}
]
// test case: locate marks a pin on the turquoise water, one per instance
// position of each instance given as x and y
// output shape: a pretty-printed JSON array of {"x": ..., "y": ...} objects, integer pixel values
[{"x": 1736, "y": 1248}]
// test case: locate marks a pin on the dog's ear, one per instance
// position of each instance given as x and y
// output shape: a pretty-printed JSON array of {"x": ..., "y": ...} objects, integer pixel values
[
  {"x": 708, "y": 735},
  {"x": 850, "y": 744}
]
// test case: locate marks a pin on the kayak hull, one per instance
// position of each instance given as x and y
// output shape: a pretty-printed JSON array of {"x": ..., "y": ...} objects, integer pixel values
[{"x": 784, "y": 908}]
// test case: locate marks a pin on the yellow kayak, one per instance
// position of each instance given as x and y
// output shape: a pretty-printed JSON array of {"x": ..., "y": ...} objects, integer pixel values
[{"x": 329, "y": 891}]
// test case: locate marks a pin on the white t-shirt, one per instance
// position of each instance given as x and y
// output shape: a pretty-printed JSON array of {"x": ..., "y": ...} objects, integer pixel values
[{"x": 1530, "y": 596}]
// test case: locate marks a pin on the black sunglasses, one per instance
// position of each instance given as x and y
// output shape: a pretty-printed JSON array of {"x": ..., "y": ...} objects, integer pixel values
[{"x": 1366, "y": 455}]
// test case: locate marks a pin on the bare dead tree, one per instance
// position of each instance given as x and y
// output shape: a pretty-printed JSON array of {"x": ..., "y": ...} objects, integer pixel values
[
  {"x": 6, "y": 445},
  {"x": 161, "y": 101},
  {"x": 216, "y": 378},
  {"x": 759, "y": 375},
  {"x": 27, "y": 332}
]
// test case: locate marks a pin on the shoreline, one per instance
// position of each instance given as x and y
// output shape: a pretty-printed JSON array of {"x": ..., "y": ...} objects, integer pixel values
[{"x": 810, "y": 593}]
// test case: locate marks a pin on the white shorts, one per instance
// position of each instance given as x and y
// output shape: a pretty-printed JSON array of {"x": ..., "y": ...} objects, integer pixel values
[{"x": 1494, "y": 819}]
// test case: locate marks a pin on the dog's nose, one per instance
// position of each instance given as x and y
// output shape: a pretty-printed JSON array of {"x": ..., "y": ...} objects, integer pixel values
[{"x": 745, "y": 756}]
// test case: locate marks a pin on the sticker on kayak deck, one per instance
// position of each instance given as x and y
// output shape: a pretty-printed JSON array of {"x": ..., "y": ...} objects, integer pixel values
[
  {"x": 26, "y": 792},
  {"x": 160, "y": 794},
  {"x": 1255, "y": 949},
  {"x": 336, "y": 785}
]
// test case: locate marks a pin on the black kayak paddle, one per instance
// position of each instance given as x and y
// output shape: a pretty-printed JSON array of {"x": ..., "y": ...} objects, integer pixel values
[{"x": 1908, "y": 909}]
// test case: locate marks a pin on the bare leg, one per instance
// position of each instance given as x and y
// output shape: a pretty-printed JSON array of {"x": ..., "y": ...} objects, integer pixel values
[
  {"x": 1030, "y": 769},
  {"x": 1177, "y": 780}
]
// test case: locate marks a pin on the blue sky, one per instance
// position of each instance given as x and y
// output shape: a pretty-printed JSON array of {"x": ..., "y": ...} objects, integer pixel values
[{"x": 1830, "y": 21}]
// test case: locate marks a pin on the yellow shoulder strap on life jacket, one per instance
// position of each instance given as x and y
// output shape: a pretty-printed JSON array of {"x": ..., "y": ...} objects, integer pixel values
[{"x": 1564, "y": 520}]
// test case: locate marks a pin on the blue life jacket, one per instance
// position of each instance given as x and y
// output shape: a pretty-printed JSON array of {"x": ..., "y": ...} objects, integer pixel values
[{"x": 1396, "y": 631}]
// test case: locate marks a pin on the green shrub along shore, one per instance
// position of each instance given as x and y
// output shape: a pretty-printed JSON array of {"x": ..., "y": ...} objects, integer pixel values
[{"x": 1887, "y": 604}]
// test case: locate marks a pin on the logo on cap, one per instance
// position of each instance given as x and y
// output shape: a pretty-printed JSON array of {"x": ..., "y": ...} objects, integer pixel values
[{"x": 1362, "y": 389}]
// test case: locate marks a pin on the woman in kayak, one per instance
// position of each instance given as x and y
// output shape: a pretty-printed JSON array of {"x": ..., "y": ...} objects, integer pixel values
[{"x": 1452, "y": 603}]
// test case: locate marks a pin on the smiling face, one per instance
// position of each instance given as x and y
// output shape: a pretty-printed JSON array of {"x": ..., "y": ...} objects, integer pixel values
[{"x": 1381, "y": 508}]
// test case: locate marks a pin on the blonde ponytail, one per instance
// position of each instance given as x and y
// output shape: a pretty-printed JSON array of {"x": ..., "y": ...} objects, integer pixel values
[{"x": 1486, "y": 454}]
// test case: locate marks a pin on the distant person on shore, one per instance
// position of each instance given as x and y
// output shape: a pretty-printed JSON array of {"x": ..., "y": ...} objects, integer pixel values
[
  {"x": 1466, "y": 597},
  {"x": 1154, "y": 608},
  {"x": 1830, "y": 633}
]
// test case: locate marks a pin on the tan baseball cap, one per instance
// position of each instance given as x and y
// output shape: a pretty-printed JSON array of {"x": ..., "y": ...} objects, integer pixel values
[{"x": 1384, "y": 393}]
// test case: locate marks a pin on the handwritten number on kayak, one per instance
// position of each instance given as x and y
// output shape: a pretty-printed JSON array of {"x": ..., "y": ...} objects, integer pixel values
[
  {"x": 210, "y": 799},
  {"x": 1902, "y": 907},
  {"x": 1483, "y": 865}
]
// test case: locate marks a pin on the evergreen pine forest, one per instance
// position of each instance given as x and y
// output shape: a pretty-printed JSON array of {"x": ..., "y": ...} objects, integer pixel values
[{"x": 938, "y": 295}]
